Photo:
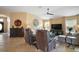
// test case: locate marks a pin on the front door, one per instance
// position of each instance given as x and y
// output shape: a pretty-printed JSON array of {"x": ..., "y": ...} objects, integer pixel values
[{"x": 1, "y": 27}]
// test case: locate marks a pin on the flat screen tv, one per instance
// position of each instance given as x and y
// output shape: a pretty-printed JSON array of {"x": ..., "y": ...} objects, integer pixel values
[{"x": 56, "y": 26}]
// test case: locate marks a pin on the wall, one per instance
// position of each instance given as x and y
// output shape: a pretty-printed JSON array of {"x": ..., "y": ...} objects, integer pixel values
[
  {"x": 18, "y": 15},
  {"x": 5, "y": 24},
  {"x": 30, "y": 20},
  {"x": 26, "y": 18}
]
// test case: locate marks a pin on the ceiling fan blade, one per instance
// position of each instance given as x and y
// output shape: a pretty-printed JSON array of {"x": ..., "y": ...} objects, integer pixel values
[{"x": 49, "y": 13}]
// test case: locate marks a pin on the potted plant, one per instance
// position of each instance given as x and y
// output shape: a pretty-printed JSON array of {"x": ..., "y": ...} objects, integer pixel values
[{"x": 70, "y": 29}]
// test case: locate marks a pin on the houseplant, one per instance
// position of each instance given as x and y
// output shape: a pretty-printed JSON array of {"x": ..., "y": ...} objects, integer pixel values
[{"x": 70, "y": 29}]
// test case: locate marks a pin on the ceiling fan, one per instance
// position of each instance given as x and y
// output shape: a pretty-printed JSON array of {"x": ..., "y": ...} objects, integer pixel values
[{"x": 48, "y": 12}]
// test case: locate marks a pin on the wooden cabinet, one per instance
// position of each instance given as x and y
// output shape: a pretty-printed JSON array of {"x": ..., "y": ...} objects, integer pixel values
[{"x": 16, "y": 32}]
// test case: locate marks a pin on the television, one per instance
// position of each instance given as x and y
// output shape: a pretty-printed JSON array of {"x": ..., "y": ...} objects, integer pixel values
[{"x": 56, "y": 26}]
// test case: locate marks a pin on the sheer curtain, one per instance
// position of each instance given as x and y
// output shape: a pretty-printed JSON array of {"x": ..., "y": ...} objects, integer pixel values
[{"x": 70, "y": 23}]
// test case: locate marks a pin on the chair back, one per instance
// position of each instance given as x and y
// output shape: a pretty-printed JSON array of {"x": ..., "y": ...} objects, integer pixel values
[
  {"x": 42, "y": 41},
  {"x": 28, "y": 36}
]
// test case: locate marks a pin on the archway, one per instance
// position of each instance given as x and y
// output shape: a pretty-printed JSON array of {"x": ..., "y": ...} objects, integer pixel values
[{"x": 6, "y": 20}]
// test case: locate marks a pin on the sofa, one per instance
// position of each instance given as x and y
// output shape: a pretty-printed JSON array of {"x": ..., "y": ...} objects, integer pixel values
[
  {"x": 29, "y": 37},
  {"x": 44, "y": 41},
  {"x": 73, "y": 39},
  {"x": 62, "y": 38}
]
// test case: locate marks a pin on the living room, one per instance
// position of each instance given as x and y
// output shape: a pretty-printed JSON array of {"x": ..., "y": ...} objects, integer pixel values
[{"x": 16, "y": 20}]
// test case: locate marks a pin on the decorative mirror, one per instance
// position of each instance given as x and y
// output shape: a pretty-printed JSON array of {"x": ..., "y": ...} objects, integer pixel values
[{"x": 17, "y": 22}]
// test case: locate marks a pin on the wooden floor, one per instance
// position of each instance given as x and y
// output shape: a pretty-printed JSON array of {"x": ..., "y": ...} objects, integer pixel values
[{"x": 8, "y": 44}]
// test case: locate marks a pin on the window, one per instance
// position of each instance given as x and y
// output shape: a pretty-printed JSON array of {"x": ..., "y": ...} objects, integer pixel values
[{"x": 70, "y": 23}]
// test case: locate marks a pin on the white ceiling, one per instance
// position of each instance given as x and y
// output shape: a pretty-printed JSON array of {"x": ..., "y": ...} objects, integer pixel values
[{"x": 40, "y": 11}]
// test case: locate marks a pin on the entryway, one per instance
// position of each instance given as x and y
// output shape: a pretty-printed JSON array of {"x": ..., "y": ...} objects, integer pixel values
[{"x": 4, "y": 24}]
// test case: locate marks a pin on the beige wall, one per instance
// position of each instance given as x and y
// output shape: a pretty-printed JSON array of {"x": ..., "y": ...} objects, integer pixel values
[
  {"x": 30, "y": 18},
  {"x": 30, "y": 21},
  {"x": 26, "y": 18},
  {"x": 18, "y": 15},
  {"x": 5, "y": 24}
]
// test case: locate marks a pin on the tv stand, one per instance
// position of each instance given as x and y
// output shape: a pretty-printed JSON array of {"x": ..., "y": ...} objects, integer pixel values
[{"x": 58, "y": 32}]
